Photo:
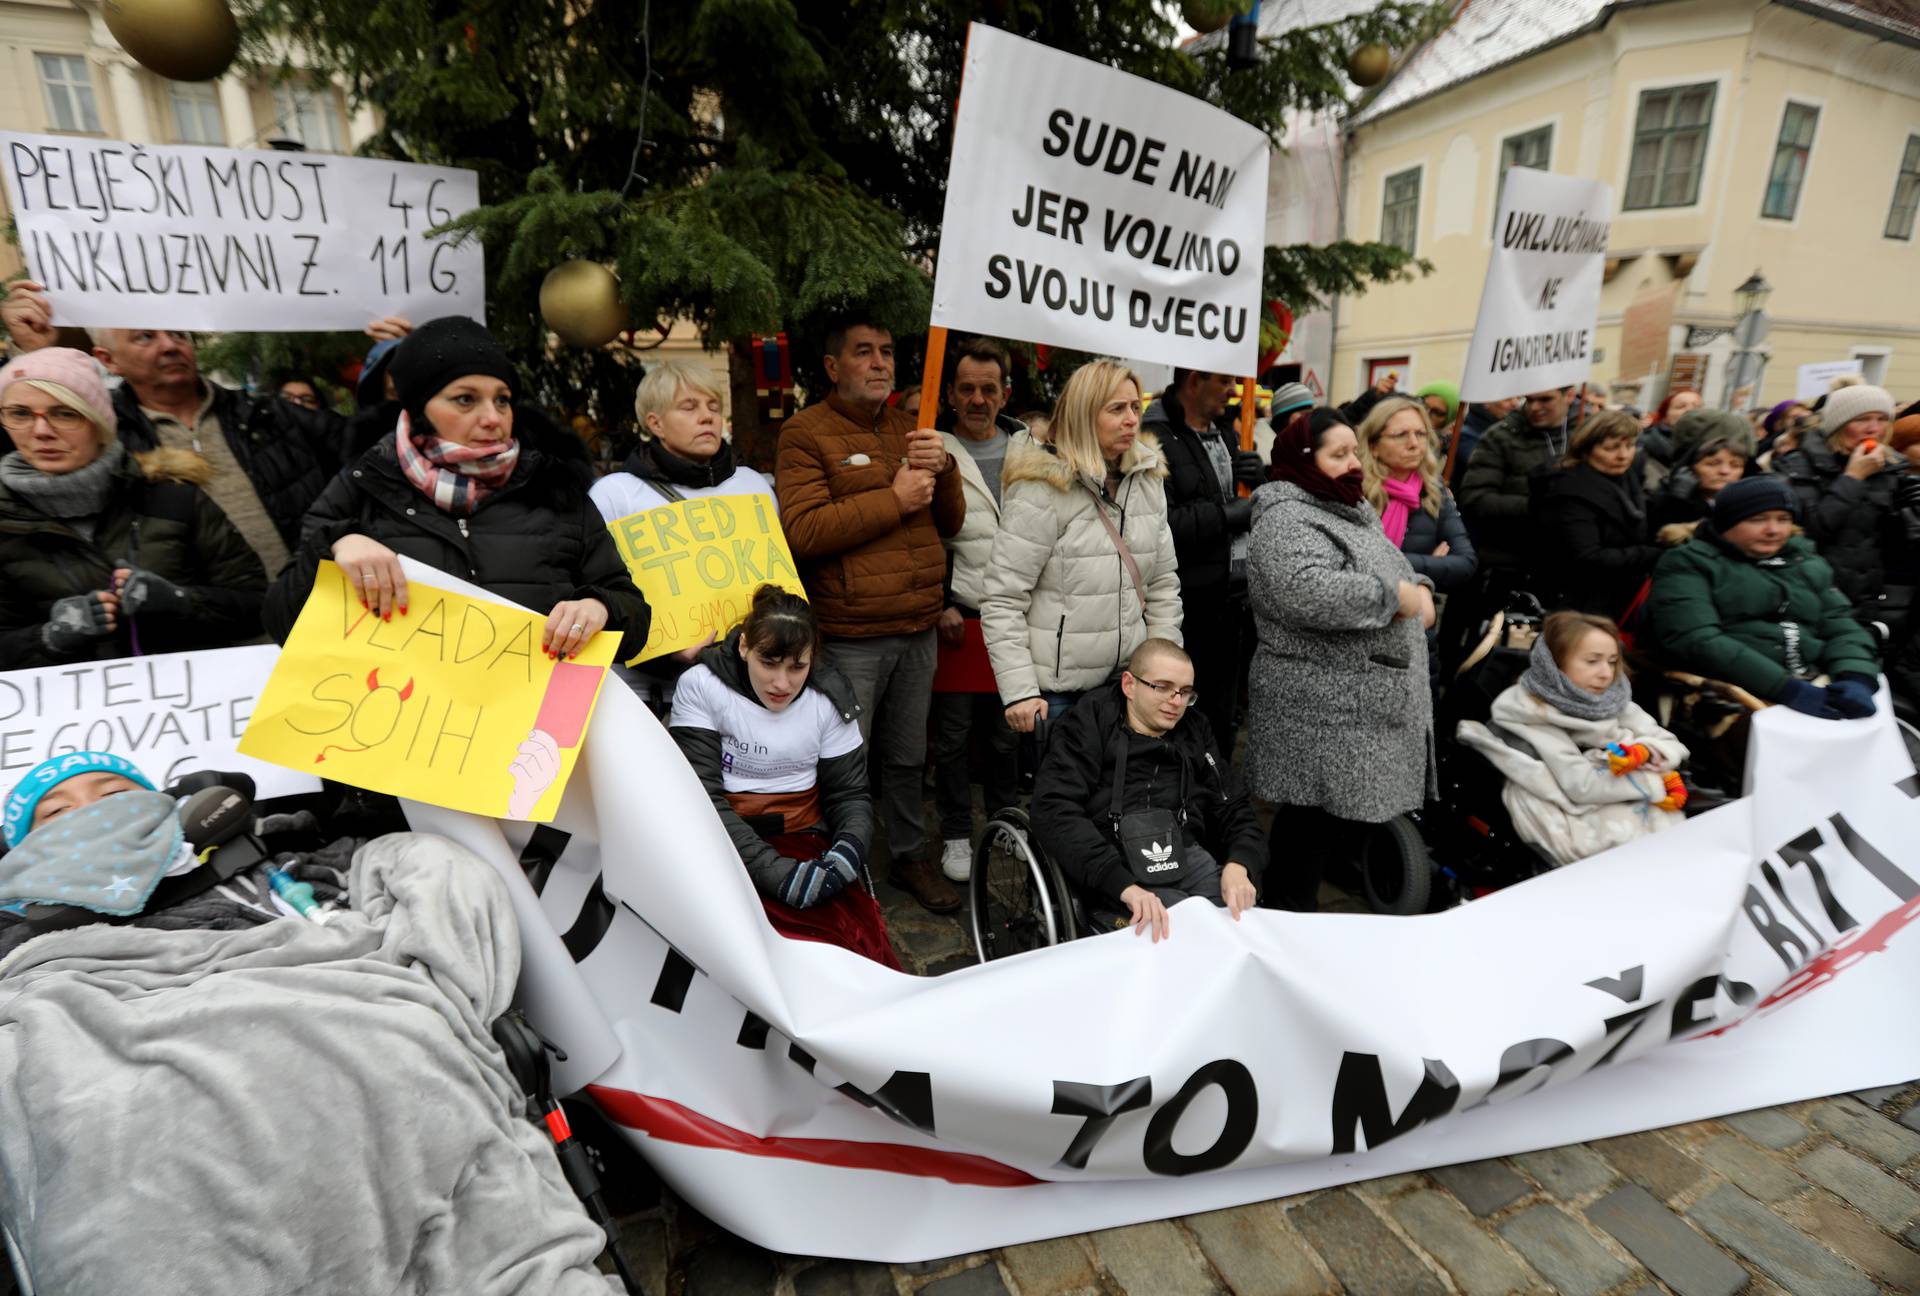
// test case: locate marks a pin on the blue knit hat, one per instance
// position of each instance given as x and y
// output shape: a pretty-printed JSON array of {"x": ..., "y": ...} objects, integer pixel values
[
  {"x": 1740, "y": 500},
  {"x": 52, "y": 772}
]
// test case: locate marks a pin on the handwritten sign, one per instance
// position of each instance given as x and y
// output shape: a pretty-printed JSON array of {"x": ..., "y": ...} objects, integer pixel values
[
  {"x": 699, "y": 561},
  {"x": 181, "y": 237},
  {"x": 454, "y": 704},
  {"x": 1542, "y": 296},
  {"x": 170, "y": 714},
  {"x": 1108, "y": 214}
]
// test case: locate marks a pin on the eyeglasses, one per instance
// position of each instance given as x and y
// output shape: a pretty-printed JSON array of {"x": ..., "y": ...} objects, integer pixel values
[
  {"x": 61, "y": 418},
  {"x": 1185, "y": 696}
]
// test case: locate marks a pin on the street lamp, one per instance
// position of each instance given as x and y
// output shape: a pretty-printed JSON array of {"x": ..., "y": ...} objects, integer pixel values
[
  {"x": 1751, "y": 295},
  {"x": 1749, "y": 331}
]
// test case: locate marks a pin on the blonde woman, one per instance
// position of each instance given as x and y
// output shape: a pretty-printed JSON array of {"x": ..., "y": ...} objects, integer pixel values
[
  {"x": 1083, "y": 568},
  {"x": 1403, "y": 484}
]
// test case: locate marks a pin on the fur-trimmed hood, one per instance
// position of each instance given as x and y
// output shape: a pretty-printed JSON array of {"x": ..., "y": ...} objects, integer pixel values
[
  {"x": 1029, "y": 459},
  {"x": 169, "y": 463}
]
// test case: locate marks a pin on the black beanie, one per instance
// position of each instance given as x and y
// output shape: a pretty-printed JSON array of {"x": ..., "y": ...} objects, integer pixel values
[
  {"x": 1740, "y": 500},
  {"x": 438, "y": 353}
]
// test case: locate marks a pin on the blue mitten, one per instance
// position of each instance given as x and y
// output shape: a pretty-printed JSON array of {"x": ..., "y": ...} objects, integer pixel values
[
  {"x": 1808, "y": 699},
  {"x": 845, "y": 858},
  {"x": 1851, "y": 695},
  {"x": 813, "y": 881}
]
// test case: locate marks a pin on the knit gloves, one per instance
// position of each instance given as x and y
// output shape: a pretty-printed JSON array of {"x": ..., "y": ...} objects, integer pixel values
[
  {"x": 811, "y": 882},
  {"x": 74, "y": 623},
  {"x": 142, "y": 592},
  {"x": 1676, "y": 797},
  {"x": 1624, "y": 758}
]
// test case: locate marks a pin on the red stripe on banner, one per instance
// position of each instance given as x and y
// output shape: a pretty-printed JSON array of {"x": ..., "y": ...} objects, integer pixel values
[
  {"x": 1843, "y": 954},
  {"x": 662, "y": 1118}
]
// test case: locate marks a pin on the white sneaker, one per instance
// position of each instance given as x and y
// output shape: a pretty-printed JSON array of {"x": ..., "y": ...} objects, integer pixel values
[{"x": 956, "y": 859}]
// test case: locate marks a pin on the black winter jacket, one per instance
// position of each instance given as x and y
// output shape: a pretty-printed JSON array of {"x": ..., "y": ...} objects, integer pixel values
[
  {"x": 840, "y": 780},
  {"x": 1593, "y": 553},
  {"x": 1196, "y": 506},
  {"x": 538, "y": 540},
  {"x": 1074, "y": 790},
  {"x": 1846, "y": 518},
  {"x": 155, "y": 518},
  {"x": 288, "y": 453},
  {"x": 1425, "y": 533}
]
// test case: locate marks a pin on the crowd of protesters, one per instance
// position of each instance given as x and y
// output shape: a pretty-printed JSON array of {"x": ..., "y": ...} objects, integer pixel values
[{"x": 1120, "y": 572}]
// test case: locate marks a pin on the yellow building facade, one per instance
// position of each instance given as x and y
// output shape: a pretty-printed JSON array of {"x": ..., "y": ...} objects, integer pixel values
[{"x": 1737, "y": 135}]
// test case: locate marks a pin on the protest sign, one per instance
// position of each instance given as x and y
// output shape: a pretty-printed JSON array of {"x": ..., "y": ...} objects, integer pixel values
[
  {"x": 170, "y": 714},
  {"x": 454, "y": 703},
  {"x": 698, "y": 561},
  {"x": 1761, "y": 953},
  {"x": 182, "y": 237},
  {"x": 1542, "y": 297},
  {"x": 1109, "y": 214},
  {"x": 1812, "y": 381}
]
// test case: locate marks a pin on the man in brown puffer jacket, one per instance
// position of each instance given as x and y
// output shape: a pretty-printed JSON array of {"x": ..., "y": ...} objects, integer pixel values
[{"x": 865, "y": 498}]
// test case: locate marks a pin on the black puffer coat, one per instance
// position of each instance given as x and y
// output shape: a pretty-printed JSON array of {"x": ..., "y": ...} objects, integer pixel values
[
  {"x": 1846, "y": 518},
  {"x": 1593, "y": 553},
  {"x": 1196, "y": 506},
  {"x": 538, "y": 540},
  {"x": 288, "y": 453},
  {"x": 159, "y": 520}
]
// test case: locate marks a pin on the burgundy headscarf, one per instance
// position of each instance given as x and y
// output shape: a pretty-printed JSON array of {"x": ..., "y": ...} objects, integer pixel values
[{"x": 1293, "y": 458}]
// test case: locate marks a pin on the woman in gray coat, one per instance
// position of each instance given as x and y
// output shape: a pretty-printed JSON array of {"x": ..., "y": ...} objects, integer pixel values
[{"x": 1341, "y": 731}]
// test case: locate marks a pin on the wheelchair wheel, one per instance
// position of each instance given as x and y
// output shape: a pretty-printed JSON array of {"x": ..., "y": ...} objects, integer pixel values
[
  {"x": 1017, "y": 900},
  {"x": 1396, "y": 873}
]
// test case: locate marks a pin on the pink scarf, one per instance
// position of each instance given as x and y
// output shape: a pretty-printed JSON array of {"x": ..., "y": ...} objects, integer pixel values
[
  {"x": 455, "y": 477},
  {"x": 1403, "y": 497}
]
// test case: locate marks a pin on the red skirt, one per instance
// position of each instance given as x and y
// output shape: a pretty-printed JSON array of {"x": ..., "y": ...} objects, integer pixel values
[{"x": 851, "y": 919}]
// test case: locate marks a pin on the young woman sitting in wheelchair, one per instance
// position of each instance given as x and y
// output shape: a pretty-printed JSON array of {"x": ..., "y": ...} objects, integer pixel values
[
  {"x": 771, "y": 730},
  {"x": 1135, "y": 803}
]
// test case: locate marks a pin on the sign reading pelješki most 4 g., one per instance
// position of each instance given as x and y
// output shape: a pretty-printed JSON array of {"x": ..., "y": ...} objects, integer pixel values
[
  {"x": 1538, "y": 310},
  {"x": 181, "y": 237},
  {"x": 1091, "y": 209}
]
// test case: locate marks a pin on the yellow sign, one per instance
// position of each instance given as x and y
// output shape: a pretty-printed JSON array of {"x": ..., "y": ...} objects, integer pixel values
[
  {"x": 455, "y": 703},
  {"x": 698, "y": 562}
]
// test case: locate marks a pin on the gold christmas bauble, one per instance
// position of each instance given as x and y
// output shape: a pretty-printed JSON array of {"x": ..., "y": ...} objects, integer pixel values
[
  {"x": 1208, "y": 15},
  {"x": 182, "y": 40},
  {"x": 1369, "y": 65},
  {"x": 580, "y": 301}
]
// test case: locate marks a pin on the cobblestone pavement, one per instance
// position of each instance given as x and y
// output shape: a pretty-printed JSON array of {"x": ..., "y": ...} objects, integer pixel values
[{"x": 1817, "y": 1198}]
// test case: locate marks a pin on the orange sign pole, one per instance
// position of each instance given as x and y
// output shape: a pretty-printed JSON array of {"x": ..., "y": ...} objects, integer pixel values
[{"x": 1249, "y": 399}]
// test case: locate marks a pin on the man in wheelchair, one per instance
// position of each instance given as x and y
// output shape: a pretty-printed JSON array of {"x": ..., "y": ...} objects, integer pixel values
[{"x": 1137, "y": 806}]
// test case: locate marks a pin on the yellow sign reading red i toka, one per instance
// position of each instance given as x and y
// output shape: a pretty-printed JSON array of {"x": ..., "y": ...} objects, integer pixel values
[
  {"x": 455, "y": 703},
  {"x": 698, "y": 561}
]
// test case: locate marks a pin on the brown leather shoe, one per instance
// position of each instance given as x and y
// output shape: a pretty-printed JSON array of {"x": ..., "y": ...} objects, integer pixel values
[{"x": 922, "y": 879}]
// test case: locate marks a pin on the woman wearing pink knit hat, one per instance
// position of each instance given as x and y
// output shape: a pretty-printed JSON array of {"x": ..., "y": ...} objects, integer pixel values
[{"x": 102, "y": 553}]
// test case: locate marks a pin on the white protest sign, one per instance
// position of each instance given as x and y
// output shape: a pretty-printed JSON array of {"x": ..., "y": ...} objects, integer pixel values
[
  {"x": 181, "y": 237},
  {"x": 1812, "y": 381},
  {"x": 170, "y": 714},
  {"x": 1091, "y": 209},
  {"x": 1542, "y": 296},
  {"x": 812, "y": 1101}
]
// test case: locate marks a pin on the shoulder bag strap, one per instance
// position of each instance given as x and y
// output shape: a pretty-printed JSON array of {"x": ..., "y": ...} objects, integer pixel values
[{"x": 1126, "y": 554}]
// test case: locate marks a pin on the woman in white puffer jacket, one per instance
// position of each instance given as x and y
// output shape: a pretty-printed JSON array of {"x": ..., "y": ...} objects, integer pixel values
[{"x": 1063, "y": 609}]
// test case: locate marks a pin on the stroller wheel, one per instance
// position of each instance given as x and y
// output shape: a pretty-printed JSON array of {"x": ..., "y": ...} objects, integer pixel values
[{"x": 1396, "y": 873}]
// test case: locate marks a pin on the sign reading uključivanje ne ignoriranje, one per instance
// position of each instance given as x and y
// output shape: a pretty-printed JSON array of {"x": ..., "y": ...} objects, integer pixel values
[
  {"x": 183, "y": 237},
  {"x": 698, "y": 562},
  {"x": 170, "y": 714},
  {"x": 1542, "y": 297},
  {"x": 454, "y": 703},
  {"x": 1091, "y": 209}
]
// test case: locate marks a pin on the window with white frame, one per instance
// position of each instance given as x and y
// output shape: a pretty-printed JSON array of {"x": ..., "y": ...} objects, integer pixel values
[
  {"x": 1906, "y": 193},
  {"x": 196, "y": 113},
  {"x": 1400, "y": 210},
  {"x": 1790, "y": 154},
  {"x": 1669, "y": 146},
  {"x": 69, "y": 89},
  {"x": 309, "y": 114},
  {"x": 1532, "y": 148}
]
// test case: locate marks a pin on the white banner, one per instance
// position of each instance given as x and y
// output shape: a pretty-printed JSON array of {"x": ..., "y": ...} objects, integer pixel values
[
  {"x": 170, "y": 714},
  {"x": 1812, "y": 381},
  {"x": 1542, "y": 297},
  {"x": 182, "y": 237},
  {"x": 1091, "y": 209},
  {"x": 815, "y": 1102}
]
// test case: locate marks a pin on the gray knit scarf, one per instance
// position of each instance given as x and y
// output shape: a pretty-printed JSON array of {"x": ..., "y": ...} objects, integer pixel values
[
  {"x": 80, "y": 495},
  {"x": 1546, "y": 681}
]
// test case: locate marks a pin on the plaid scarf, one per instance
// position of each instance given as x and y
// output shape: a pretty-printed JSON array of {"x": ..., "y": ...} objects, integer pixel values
[{"x": 455, "y": 477}]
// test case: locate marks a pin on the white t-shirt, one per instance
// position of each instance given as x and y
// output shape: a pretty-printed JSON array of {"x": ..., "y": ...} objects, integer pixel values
[
  {"x": 621, "y": 494},
  {"x": 762, "y": 750}
]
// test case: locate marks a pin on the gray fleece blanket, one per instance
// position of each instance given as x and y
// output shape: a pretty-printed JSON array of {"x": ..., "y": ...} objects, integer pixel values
[{"x": 285, "y": 1108}]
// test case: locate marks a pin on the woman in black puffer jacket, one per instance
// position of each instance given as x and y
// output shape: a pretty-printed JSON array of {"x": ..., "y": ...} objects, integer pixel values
[
  {"x": 1590, "y": 515},
  {"x": 456, "y": 489}
]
